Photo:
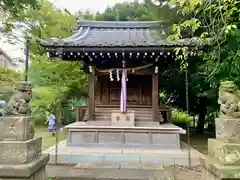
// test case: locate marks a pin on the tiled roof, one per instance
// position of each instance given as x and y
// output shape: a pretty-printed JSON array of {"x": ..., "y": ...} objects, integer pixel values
[{"x": 117, "y": 34}]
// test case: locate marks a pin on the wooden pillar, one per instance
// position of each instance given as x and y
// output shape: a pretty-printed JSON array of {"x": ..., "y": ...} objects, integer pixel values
[
  {"x": 155, "y": 97},
  {"x": 91, "y": 95},
  {"x": 169, "y": 116},
  {"x": 78, "y": 114}
]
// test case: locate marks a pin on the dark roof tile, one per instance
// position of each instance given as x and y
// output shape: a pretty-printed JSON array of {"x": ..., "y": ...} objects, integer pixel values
[{"x": 115, "y": 34}]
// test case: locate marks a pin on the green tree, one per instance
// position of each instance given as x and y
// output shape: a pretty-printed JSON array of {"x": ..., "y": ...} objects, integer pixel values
[
  {"x": 86, "y": 15},
  {"x": 54, "y": 81},
  {"x": 15, "y": 7},
  {"x": 7, "y": 79},
  {"x": 12, "y": 9},
  {"x": 215, "y": 23},
  {"x": 8, "y": 76},
  {"x": 127, "y": 11}
]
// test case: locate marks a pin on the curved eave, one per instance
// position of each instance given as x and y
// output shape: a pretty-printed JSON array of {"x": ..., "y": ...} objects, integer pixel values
[
  {"x": 78, "y": 34},
  {"x": 118, "y": 49},
  {"x": 42, "y": 42},
  {"x": 190, "y": 43}
]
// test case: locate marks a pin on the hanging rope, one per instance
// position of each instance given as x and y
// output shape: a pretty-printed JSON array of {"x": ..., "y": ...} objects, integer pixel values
[{"x": 129, "y": 69}]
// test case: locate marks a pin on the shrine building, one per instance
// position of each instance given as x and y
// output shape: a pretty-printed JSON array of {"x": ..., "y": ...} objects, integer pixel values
[{"x": 123, "y": 61}]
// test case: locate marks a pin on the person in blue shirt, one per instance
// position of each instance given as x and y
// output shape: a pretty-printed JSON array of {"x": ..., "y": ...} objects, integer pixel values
[{"x": 51, "y": 120}]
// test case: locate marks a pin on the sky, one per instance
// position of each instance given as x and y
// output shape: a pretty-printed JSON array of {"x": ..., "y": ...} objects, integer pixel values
[
  {"x": 93, "y": 5},
  {"x": 72, "y": 6}
]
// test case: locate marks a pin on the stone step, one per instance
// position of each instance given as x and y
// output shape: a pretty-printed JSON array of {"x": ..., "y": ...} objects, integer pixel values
[
  {"x": 108, "y": 119},
  {"x": 124, "y": 161},
  {"x": 141, "y": 123},
  {"x": 109, "y": 111},
  {"x": 69, "y": 172},
  {"x": 136, "y": 114},
  {"x": 136, "y": 118},
  {"x": 121, "y": 158},
  {"x": 100, "y": 118},
  {"x": 141, "y": 114},
  {"x": 126, "y": 158},
  {"x": 136, "y": 110}
]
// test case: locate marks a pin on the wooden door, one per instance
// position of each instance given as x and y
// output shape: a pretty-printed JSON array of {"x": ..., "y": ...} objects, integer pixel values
[{"x": 138, "y": 90}]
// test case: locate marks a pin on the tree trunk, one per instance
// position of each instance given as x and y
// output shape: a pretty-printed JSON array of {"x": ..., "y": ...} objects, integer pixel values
[
  {"x": 58, "y": 114},
  {"x": 201, "y": 119},
  {"x": 201, "y": 123}
]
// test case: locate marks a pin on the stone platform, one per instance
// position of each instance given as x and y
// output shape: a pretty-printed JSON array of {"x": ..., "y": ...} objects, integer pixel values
[
  {"x": 148, "y": 135},
  {"x": 62, "y": 172},
  {"x": 66, "y": 172},
  {"x": 121, "y": 158}
]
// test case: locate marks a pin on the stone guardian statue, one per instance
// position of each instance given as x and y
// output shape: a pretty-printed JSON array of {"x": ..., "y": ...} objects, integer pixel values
[
  {"x": 19, "y": 103},
  {"x": 229, "y": 100}
]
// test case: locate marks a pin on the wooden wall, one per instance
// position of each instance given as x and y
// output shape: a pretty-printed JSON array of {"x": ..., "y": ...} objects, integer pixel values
[{"x": 139, "y": 90}]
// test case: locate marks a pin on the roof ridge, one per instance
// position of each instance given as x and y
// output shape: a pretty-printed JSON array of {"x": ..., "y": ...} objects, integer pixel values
[
  {"x": 6, "y": 54},
  {"x": 117, "y": 24}
]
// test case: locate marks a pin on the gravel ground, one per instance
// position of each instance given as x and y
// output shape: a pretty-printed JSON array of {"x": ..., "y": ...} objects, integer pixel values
[
  {"x": 184, "y": 173},
  {"x": 195, "y": 173}
]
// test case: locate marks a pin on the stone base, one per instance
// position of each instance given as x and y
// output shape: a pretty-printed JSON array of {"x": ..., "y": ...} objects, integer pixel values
[
  {"x": 20, "y": 152},
  {"x": 223, "y": 158},
  {"x": 166, "y": 136},
  {"x": 34, "y": 170},
  {"x": 228, "y": 130},
  {"x": 227, "y": 154},
  {"x": 122, "y": 119},
  {"x": 223, "y": 172},
  {"x": 16, "y": 128}
]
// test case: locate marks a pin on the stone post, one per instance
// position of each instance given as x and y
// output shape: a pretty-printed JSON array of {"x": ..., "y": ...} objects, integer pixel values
[
  {"x": 20, "y": 152},
  {"x": 223, "y": 157}
]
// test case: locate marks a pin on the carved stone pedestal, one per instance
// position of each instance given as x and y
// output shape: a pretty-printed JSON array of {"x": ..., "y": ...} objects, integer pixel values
[
  {"x": 224, "y": 152},
  {"x": 20, "y": 152}
]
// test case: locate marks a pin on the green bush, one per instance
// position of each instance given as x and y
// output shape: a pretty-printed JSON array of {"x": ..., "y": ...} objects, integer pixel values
[
  {"x": 68, "y": 116},
  {"x": 39, "y": 120},
  {"x": 69, "y": 113},
  {"x": 181, "y": 118}
]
